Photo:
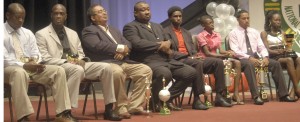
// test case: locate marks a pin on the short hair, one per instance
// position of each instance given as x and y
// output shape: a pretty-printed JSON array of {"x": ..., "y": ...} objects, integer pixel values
[
  {"x": 12, "y": 8},
  {"x": 203, "y": 18},
  {"x": 238, "y": 14},
  {"x": 268, "y": 18},
  {"x": 90, "y": 10},
  {"x": 64, "y": 8},
  {"x": 137, "y": 3},
  {"x": 173, "y": 9}
]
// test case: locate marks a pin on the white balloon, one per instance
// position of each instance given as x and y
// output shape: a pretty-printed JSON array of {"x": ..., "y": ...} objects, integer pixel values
[
  {"x": 232, "y": 10},
  {"x": 222, "y": 11},
  {"x": 219, "y": 24},
  {"x": 208, "y": 89},
  {"x": 164, "y": 95},
  {"x": 230, "y": 22},
  {"x": 211, "y": 9}
]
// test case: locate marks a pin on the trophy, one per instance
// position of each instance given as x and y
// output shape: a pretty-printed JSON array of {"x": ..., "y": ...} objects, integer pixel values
[
  {"x": 208, "y": 91},
  {"x": 289, "y": 38},
  {"x": 164, "y": 95},
  {"x": 227, "y": 72},
  {"x": 148, "y": 96},
  {"x": 261, "y": 70},
  {"x": 72, "y": 58},
  {"x": 26, "y": 59}
]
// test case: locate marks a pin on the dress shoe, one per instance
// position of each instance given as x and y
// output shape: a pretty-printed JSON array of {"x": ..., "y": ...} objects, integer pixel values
[
  {"x": 172, "y": 107},
  {"x": 125, "y": 115},
  {"x": 258, "y": 101},
  {"x": 237, "y": 101},
  {"x": 109, "y": 115},
  {"x": 24, "y": 119},
  {"x": 67, "y": 116},
  {"x": 287, "y": 99},
  {"x": 198, "y": 105},
  {"x": 221, "y": 102}
]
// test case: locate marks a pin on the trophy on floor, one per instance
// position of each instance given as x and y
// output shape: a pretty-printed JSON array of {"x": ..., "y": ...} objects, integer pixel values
[
  {"x": 164, "y": 95},
  {"x": 208, "y": 91},
  {"x": 227, "y": 72},
  {"x": 289, "y": 39},
  {"x": 261, "y": 74},
  {"x": 148, "y": 97}
]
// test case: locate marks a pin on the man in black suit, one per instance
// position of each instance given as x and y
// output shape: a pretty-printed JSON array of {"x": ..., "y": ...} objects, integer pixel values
[
  {"x": 149, "y": 46},
  {"x": 184, "y": 51},
  {"x": 105, "y": 43}
]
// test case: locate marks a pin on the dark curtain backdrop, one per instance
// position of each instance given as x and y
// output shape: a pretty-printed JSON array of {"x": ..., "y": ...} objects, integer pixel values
[{"x": 38, "y": 13}]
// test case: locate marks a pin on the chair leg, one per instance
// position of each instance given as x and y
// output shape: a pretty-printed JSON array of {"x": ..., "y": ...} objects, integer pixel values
[
  {"x": 190, "y": 96},
  {"x": 211, "y": 94},
  {"x": 85, "y": 100},
  {"x": 243, "y": 90},
  {"x": 289, "y": 84},
  {"x": 128, "y": 87},
  {"x": 94, "y": 98},
  {"x": 10, "y": 107},
  {"x": 39, "y": 108},
  {"x": 46, "y": 104},
  {"x": 270, "y": 87}
]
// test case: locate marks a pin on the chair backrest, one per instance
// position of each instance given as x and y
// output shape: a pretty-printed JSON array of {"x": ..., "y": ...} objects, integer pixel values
[
  {"x": 227, "y": 46},
  {"x": 195, "y": 42}
]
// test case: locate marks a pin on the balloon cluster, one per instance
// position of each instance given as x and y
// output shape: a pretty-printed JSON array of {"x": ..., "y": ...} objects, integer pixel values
[{"x": 223, "y": 14}]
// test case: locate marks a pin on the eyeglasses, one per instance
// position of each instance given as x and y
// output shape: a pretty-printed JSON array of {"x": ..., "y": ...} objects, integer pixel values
[{"x": 100, "y": 11}]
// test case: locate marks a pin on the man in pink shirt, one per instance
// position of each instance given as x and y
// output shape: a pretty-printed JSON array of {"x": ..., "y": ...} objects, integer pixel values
[{"x": 248, "y": 47}]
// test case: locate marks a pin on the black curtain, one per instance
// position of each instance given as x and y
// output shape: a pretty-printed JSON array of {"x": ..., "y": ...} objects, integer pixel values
[{"x": 38, "y": 13}]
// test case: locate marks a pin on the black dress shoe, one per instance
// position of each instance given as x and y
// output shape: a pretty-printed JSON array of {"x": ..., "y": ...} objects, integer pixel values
[
  {"x": 198, "y": 105},
  {"x": 109, "y": 115},
  {"x": 221, "y": 102},
  {"x": 258, "y": 101},
  {"x": 173, "y": 107},
  {"x": 287, "y": 99}
]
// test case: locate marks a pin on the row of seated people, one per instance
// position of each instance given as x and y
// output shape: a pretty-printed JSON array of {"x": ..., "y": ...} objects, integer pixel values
[{"x": 154, "y": 53}]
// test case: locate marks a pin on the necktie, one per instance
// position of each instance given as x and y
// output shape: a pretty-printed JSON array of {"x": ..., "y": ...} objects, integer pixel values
[
  {"x": 249, "y": 49},
  {"x": 17, "y": 46}
]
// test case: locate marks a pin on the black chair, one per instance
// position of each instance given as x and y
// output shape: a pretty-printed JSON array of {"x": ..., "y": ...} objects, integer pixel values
[{"x": 88, "y": 86}]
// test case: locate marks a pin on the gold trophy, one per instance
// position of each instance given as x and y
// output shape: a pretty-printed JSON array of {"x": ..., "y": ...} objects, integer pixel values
[
  {"x": 208, "y": 91},
  {"x": 26, "y": 59},
  {"x": 72, "y": 58},
  {"x": 289, "y": 39},
  {"x": 148, "y": 97},
  {"x": 164, "y": 95},
  {"x": 261, "y": 73}
]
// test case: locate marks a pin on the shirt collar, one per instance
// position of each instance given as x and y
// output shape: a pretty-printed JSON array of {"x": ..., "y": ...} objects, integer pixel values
[
  {"x": 176, "y": 30},
  {"x": 206, "y": 33},
  {"x": 242, "y": 29},
  {"x": 10, "y": 30},
  {"x": 105, "y": 28}
]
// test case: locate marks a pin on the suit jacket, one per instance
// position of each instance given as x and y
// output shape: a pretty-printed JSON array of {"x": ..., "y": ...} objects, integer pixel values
[
  {"x": 100, "y": 47},
  {"x": 51, "y": 48},
  {"x": 144, "y": 44},
  {"x": 187, "y": 38}
]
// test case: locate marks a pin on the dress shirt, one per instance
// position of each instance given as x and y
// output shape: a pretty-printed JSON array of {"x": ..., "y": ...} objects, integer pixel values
[
  {"x": 181, "y": 44},
  {"x": 27, "y": 44},
  {"x": 237, "y": 42},
  {"x": 120, "y": 47},
  {"x": 212, "y": 42}
]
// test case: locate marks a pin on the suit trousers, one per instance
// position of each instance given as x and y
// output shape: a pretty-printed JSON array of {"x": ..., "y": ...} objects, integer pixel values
[
  {"x": 53, "y": 76},
  {"x": 93, "y": 71},
  {"x": 138, "y": 74},
  {"x": 183, "y": 74}
]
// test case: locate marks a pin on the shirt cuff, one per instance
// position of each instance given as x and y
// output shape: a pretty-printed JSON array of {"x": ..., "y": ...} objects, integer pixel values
[{"x": 120, "y": 48}]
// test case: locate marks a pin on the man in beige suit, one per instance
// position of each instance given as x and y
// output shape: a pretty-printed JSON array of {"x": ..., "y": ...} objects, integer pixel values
[
  {"x": 57, "y": 42},
  {"x": 20, "y": 42}
]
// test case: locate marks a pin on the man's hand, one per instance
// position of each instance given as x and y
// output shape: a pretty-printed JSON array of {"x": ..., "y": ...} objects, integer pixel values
[
  {"x": 254, "y": 61},
  {"x": 119, "y": 56},
  {"x": 126, "y": 50},
  {"x": 34, "y": 67},
  {"x": 164, "y": 46},
  {"x": 265, "y": 62},
  {"x": 81, "y": 63}
]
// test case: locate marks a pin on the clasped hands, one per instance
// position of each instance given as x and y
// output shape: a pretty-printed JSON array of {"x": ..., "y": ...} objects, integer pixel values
[
  {"x": 120, "y": 55},
  {"x": 33, "y": 67},
  {"x": 257, "y": 62},
  {"x": 165, "y": 47}
]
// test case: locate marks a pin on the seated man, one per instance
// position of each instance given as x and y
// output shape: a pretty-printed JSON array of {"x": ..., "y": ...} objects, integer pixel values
[
  {"x": 19, "y": 43},
  {"x": 184, "y": 49},
  {"x": 149, "y": 46},
  {"x": 57, "y": 43},
  {"x": 105, "y": 43},
  {"x": 247, "y": 45}
]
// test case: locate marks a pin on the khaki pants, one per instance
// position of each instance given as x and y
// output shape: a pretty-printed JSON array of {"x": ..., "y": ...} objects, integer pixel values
[
  {"x": 138, "y": 74},
  {"x": 53, "y": 76}
]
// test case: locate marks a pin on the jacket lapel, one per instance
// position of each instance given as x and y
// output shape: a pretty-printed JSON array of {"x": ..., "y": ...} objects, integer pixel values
[
  {"x": 72, "y": 41},
  {"x": 103, "y": 32},
  {"x": 173, "y": 37},
  {"x": 53, "y": 34}
]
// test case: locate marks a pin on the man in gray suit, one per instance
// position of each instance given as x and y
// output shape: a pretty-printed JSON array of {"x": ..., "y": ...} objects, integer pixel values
[
  {"x": 149, "y": 46},
  {"x": 57, "y": 42},
  {"x": 184, "y": 51},
  {"x": 105, "y": 43}
]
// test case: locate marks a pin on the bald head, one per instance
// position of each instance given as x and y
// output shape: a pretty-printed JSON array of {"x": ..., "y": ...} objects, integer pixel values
[
  {"x": 15, "y": 15},
  {"x": 58, "y": 16}
]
